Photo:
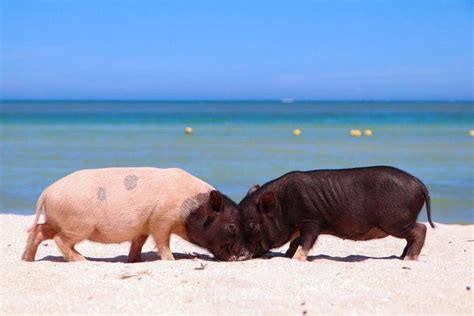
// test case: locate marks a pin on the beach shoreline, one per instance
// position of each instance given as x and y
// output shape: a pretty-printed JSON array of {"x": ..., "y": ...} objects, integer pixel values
[
  {"x": 244, "y": 143},
  {"x": 342, "y": 277}
]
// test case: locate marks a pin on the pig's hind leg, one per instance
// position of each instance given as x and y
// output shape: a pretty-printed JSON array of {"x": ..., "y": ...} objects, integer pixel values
[
  {"x": 38, "y": 234},
  {"x": 136, "y": 249},
  {"x": 415, "y": 241},
  {"x": 66, "y": 245},
  {"x": 414, "y": 234}
]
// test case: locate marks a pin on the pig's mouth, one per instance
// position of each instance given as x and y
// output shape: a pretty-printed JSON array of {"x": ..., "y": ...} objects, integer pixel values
[
  {"x": 257, "y": 249},
  {"x": 239, "y": 258},
  {"x": 229, "y": 255}
]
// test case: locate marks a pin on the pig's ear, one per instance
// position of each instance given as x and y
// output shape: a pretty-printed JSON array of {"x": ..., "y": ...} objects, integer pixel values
[
  {"x": 268, "y": 202},
  {"x": 216, "y": 200},
  {"x": 253, "y": 189}
]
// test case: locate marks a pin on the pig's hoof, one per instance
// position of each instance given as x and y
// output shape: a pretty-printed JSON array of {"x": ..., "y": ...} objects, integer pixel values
[
  {"x": 134, "y": 260},
  {"x": 300, "y": 258},
  {"x": 77, "y": 259},
  {"x": 167, "y": 257},
  {"x": 299, "y": 255},
  {"x": 411, "y": 258}
]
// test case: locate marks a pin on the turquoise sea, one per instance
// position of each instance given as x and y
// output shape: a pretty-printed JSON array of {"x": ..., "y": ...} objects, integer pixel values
[{"x": 236, "y": 144}]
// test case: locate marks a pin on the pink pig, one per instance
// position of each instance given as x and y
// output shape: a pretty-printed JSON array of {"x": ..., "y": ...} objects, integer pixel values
[{"x": 114, "y": 205}]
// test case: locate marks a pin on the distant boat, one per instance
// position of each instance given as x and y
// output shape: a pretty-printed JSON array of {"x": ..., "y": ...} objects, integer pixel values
[{"x": 287, "y": 100}]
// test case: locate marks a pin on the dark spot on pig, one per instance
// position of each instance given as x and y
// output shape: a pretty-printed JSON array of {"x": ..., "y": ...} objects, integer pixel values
[
  {"x": 305, "y": 312},
  {"x": 130, "y": 182},
  {"x": 101, "y": 194},
  {"x": 406, "y": 268},
  {"x": 9, "y": 245},
  {"x": 193, "y": 203},
  {"x": 468, "y": 288}
]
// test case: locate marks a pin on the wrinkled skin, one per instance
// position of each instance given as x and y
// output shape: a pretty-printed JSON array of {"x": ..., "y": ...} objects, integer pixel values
[
  {"x": 216, "y": 225},
  {"x": 357, "y": 204}
]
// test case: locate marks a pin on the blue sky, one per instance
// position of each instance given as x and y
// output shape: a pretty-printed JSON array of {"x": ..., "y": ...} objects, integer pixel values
[{"x": 111, "y": 49}]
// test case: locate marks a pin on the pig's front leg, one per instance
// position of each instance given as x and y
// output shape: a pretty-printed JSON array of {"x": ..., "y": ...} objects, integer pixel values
[
  {"x": 292, "y": 249},
  {"x": 309, "y": 233},
  {"x": 162, "y": 240}
]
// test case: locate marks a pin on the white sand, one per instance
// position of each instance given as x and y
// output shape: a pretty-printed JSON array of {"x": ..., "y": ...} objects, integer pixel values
[{"x": 343, "y": 277}]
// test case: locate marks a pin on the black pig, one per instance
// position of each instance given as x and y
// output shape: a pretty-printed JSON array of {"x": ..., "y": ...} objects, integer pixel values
[{"x": 357, "y": 204}]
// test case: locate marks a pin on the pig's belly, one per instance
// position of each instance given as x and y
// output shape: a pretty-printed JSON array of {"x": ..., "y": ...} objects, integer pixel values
[
  {"x": 107, "y": 233},
  {"x": 365, "y": 234}
]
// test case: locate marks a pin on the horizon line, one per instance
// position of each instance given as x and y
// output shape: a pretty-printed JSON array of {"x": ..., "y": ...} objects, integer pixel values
[{"x": 282, "y": 100}]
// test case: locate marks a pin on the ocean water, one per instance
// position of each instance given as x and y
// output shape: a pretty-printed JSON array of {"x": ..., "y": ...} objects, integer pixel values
[{"x": 236, "y": 144}]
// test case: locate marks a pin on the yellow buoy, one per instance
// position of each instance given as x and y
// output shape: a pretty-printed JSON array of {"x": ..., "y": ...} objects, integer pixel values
[
  {"x": 471, "y": 132},
  {"x": 355, "y": 132},
  {"x": 188, "y": 130},
  {"x": 368, "y": 132},
  {"x": 297, "y": 132}
]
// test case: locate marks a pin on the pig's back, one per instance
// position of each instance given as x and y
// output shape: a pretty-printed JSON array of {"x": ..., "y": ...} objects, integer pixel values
[
  {"x": 125, "y": 195},
  {"x": 372, "y": 193},
  {"x": 120, "y": 181}
]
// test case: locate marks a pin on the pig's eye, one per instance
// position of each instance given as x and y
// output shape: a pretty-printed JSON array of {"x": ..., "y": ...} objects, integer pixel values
[
  {"x": 232, "y": 229},
  {"x": 253, "y": 228}
]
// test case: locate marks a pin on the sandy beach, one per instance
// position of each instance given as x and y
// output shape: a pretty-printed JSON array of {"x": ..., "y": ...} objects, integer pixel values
[{"x": 341, "y": 277}]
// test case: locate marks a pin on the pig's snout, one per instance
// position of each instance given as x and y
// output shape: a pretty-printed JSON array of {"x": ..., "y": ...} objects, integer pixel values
[
  {"x": 238, "y": 258},
  {"x": 242, "y": 258},
  {"x": 243, "y": 255},
  {"x": 237, "y": 252},
  {"x": 241, "y": 252}
]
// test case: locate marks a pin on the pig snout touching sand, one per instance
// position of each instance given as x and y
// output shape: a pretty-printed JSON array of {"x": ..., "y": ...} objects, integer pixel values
[{"x": 114, "y": 205}]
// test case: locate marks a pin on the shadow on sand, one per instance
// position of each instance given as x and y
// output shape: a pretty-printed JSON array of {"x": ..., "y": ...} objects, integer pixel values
[
  {"x": 351, "y": 258},
  {"x": 146, "y": 257},
  {"x": 153, "y": 256}
]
